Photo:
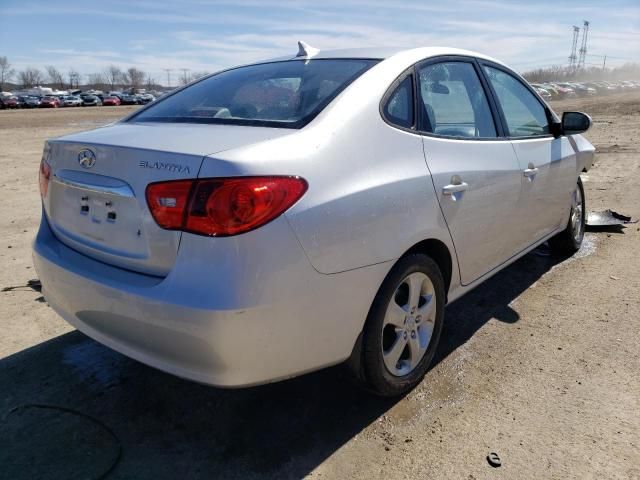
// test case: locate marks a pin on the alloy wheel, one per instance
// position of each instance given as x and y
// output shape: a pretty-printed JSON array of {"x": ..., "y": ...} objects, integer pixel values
[
  {"x": 576, "y": 214},
  {"x": 408, "y": 324}
]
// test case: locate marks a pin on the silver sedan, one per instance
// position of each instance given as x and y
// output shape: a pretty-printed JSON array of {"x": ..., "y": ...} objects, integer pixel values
[{"x": 280, "y": 217}]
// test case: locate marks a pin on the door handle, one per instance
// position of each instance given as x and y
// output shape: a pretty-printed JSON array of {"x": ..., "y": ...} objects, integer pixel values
[
  {"x": 454, "y": 188},
  {"x": 530, "y": 172}
]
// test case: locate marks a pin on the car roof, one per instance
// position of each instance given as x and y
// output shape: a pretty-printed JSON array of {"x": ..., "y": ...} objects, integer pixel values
[{"x": 383, "y": 53}]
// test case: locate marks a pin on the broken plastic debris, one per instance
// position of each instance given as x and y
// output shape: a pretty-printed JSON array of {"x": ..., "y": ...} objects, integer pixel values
[{"x": 607, "y": 218}]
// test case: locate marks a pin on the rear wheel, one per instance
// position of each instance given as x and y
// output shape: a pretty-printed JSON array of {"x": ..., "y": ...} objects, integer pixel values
[
  {"x": 403, "y": 328},
  {"x": 569, "y": 240}
]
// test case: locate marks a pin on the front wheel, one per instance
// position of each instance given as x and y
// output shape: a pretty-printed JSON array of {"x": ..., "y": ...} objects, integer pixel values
[
  {"x": 403, "y": 327},
  {"x": 569, "y": 240}
]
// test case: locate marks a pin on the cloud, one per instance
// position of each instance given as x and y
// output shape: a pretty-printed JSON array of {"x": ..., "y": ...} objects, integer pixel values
[
  {"x": 74, "y": 52},
  {"x": 204, "y": 35}
]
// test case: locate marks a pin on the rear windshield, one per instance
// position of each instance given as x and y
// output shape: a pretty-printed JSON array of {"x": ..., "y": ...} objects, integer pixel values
[{"x": 280, "y": 94}]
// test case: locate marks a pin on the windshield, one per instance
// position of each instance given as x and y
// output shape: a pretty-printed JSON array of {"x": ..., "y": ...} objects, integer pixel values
[{"x": 280, "y": 94}]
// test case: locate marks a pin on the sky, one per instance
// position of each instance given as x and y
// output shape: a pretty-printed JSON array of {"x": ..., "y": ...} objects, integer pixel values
[{"x": 200, "y": 35}]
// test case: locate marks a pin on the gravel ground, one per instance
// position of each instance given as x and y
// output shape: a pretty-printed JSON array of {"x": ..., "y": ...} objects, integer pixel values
[{"x": 540, "y": 364}]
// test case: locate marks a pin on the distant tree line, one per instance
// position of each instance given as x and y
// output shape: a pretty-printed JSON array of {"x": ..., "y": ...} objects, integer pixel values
[
  {"x": 111, "y": 78},
  {"x": 629, "y": 71}
]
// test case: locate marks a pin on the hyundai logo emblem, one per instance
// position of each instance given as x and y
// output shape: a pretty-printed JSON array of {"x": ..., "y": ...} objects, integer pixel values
[{"x": 86, "y": 158}]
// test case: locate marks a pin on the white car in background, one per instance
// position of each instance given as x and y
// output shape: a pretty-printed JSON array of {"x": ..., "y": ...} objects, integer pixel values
[
  {"x": 280, "y": 217},
  {"x": 146, "y": 98},
  {"x": 71, "y": 101}
]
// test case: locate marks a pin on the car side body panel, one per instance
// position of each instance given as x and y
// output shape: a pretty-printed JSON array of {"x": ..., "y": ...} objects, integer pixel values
[
  {"x": 546, "y": 195},
  {"x": 492, "y": 198}
]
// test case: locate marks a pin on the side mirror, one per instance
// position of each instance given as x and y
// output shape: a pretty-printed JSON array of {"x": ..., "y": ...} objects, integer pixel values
[{"x": 575, "y": 122}]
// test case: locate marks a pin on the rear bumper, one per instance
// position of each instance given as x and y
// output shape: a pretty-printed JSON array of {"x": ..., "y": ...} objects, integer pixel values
[{"x": 229, "y": 313}]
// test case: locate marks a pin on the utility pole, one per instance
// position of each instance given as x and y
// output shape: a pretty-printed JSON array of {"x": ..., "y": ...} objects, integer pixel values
[
  {"x": 168, "y": 70},
  {"x": 604, "y": 59},
  {"x": 583, "y": 48},
  {"x": 185, "y": 78},
  {"x": 574, "y": 45}
]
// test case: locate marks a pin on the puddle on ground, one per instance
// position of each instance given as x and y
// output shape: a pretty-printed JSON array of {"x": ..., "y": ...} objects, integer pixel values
[
  {"x": 589, "y": 245},
  {"x": 443, "y": 386}
]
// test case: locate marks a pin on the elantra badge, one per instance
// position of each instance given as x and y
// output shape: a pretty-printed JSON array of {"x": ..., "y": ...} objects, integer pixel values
[
  {"x": 86, "y": 158},
  {"x": 171, "y": 167}
]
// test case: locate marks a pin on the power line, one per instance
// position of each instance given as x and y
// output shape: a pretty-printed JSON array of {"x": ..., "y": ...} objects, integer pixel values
[{"x": 549, "y": 61}]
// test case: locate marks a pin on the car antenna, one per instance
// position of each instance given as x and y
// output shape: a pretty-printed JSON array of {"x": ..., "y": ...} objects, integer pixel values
[{"x": 305, "y": 50}]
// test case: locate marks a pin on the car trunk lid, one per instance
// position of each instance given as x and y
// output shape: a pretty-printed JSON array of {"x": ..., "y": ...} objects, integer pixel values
[{"x": 96, "y": 197}]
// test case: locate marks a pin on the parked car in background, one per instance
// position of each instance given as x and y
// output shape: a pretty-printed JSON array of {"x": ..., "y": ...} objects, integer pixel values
[
  {"x": 284, "y": 216},
  {"x": 598, "y": 87},
  {"x": 145, "y": 98},
  {"x": 542, "y": 92},
  {"x": 10, "y": 102},
  {"x": 611, "y": 88},
  {"x": 19, "y": 101},
  {"x": 616, "y": 87},
  {"x": 31, "y": 101},
  {"x": 565, "y": 90},
  {"x": 72, "y": 101},
  {"x": 582, "y": 90},
  {"x": 50, "y": 102},
  {"x": 111, "y": 101},
  {"x": 551, "y": 89},
  {"x": 127, "y": 99},
  {"x": 91, "y": 101}
]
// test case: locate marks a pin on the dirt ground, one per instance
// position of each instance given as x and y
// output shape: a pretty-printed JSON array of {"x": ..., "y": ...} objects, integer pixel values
[{"x": 541, "y": 364}]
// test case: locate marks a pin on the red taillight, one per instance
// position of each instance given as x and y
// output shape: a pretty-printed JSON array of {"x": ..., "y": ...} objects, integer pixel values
[
  {"x": 168, "y": 201},
  {"x": 43, "y": 178},
  {"x": 222, "y": 206}
]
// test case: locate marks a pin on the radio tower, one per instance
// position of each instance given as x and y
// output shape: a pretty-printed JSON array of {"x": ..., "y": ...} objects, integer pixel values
[
  {"x": 573, "y": 59},
  {"x": 583, "y": 48}
]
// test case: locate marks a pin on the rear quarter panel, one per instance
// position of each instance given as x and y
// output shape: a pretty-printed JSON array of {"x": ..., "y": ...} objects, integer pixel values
[{"x": 370, "y": 197}]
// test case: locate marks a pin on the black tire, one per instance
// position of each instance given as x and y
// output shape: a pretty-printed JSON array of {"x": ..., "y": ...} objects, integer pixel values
[
  {"x": 569, "y": 240},
  {"x": 371, "y": 369}
]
